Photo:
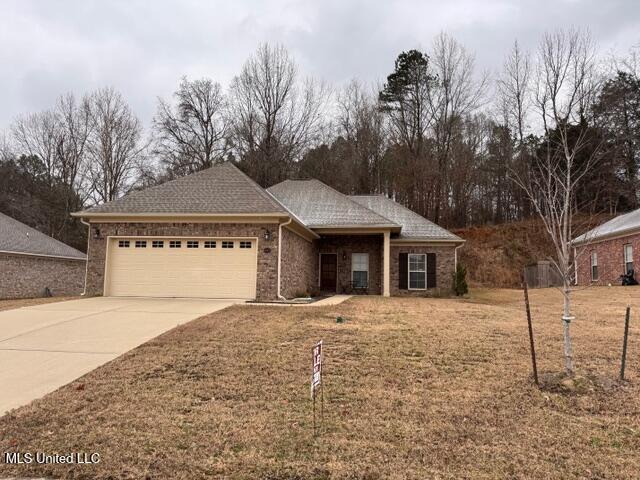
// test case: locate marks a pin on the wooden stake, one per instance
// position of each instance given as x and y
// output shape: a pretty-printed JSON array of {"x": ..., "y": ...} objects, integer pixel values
[
  {"x": 624, "y": 342},
  {"x": 533, "y": 348}
]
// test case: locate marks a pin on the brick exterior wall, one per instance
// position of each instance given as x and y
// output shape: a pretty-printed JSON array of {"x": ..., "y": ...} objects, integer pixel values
[
  {"x": 610, "y": 260},
  {"x": 267, "y": 281},
  {"x": 344, "y": 246},
  {"x": 299, "y": 269},
  {"x": 445, "y": 267},
  {"x": 25, "y": 276}
]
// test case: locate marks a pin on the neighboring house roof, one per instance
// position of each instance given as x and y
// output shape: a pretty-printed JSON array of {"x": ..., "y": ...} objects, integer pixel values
[
  {"x": 16, "y": 237},
  {"x": 414, "y": 226},
  {"x": 221, "y": 189},
  {"x": 318, "y": 205},
  {"x": 623, "y": 224}
]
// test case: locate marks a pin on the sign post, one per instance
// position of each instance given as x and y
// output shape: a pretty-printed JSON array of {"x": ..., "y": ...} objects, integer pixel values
[{"x": 316, "y": 382}]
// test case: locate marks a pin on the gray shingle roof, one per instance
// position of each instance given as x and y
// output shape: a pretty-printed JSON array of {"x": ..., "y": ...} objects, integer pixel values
[
  {"x": 413, "y": 225},
  {"x": 318, "y": 205},
  {"x": 222, "y": 189},
  {"x": 626, "y": 223},
  {"x": 17, "y": 237}
]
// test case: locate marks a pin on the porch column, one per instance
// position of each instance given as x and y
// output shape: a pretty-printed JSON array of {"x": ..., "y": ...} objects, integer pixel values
[{"x": 386, "y": 265}]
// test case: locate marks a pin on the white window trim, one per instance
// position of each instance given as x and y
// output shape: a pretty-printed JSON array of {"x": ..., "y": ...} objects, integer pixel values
[
  {"x": 353, "y": 270},
  {"x": 594, "y": 263},
  {"x": 626, "y": 259},
  {"x": 417, "y": 271}
]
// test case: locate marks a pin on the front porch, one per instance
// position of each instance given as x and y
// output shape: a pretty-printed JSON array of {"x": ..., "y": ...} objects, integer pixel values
[{"x": 354, "y": 264}]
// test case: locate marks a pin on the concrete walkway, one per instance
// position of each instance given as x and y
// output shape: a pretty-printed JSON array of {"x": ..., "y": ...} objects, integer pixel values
[
  {"x": 332, "y": 300},
  {"x": 44, "y": 347}
]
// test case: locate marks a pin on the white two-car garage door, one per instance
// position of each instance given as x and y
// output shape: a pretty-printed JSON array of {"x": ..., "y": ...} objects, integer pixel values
[{"x": 181, "y": 267}]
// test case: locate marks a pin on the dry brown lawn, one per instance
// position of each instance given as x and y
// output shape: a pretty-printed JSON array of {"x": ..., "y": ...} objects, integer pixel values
[
  {"x": 415, "y": 389},
  {"x": 27, "y": 302}
]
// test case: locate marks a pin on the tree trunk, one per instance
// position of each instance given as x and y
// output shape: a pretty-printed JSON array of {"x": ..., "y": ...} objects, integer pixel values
[{"x": 566, "y": 322}]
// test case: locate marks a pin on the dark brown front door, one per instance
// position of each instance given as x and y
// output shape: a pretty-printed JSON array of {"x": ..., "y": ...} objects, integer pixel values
[{"x": 328, "y": 272}]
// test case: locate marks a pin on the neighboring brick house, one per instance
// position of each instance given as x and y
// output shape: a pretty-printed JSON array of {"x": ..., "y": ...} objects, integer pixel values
[
  {"x": 218, "y": 234},
  {"x": 608, "y": 251},
  {"x": 33, "y": 264}
]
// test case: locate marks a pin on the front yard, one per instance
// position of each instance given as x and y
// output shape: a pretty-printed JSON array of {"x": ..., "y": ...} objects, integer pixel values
[{"x": 415, "y": 388}]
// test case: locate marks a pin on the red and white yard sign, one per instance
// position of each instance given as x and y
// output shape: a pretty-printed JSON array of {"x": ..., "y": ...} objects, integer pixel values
[{"x": 316, "y": 376}]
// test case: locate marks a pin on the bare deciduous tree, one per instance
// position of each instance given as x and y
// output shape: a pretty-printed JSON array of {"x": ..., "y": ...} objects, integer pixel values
[
  {"x": 361, "y": 123},
  {"x": 192, "y": 134},
  {"x": 37, "y": 134},
  {"x": 115, "y": 145},
  {"x": 514, "y": 90},
  {"x": 565, "y": 78},
  {"x": 276, "y": 117},
  {"x": 459, "y": 92}
]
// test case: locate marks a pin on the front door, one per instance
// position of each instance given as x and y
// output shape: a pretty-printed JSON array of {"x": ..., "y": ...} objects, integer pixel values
[{"x": 328, "y": 272}]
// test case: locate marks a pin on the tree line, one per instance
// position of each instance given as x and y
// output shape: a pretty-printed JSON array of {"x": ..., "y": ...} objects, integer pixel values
[{"x": 438, "y": 135}]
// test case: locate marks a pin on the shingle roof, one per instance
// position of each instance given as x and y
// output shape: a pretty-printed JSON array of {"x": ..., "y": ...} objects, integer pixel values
[
  {"x": 318, "y": 205},
  {"x": 17, "y": 237},
  {"x": 413, "y": 225},
  {"x": 626, "y": 223},
  {"x": 222, "y": 189}
]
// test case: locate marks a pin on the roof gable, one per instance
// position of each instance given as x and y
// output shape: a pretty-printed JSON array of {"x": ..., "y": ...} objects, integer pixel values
[
  {"x": 16, "y": 237},
  {"x": 221, "y": 189},
  {"x": 318, "y": 205},
  {"x": 414, "y": 226}
]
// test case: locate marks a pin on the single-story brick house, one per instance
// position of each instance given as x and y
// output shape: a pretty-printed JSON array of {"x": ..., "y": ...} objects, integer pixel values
[
  {"x": 217, "y": 233},
  {"x": 32, "y": 262},
  {"x": 606, "y": 252}
]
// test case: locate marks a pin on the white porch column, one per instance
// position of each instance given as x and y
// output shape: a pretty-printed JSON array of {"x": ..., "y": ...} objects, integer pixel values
[{"x": 386, "y": 265}]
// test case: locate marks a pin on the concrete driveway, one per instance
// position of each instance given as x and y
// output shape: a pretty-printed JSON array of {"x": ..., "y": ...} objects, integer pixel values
[{"x": 46, "y": 346}]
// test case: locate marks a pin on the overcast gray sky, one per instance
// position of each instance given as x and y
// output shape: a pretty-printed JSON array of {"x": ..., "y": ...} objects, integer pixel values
[{"x": 142, "y": 48}]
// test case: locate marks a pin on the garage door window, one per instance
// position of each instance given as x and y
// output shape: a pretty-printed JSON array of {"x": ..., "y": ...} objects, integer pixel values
[
  {"x": 123, "y": 244},
  {"x": 192, "y": 244},
  {"x": 227, "y": 244},
  {"x": 209, "y": 244},
  {"x": 141, "y": 244},
  {"x": 245, "y": 244},
  {"x": 157, "y": 244},
  {"x": 175, "y": 244}
]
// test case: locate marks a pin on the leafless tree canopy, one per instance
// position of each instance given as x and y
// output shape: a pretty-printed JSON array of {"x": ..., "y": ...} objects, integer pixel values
[
  {"x": 192, "y": 133},
  {"x": 276, "y": 116},
  {"x": 114, "y": 146}
]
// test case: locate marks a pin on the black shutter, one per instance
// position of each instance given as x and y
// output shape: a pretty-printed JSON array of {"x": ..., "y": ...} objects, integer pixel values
[
  {"x": 403, "y": 271},
  {"x": 431, "y": 270}
]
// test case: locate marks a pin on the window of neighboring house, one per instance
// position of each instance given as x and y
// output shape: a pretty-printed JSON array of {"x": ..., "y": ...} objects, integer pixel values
[
  {"x": 192, "y": 244},
  {"x": 175, "y": 244},
  {"x": 594, "y": 266},
  {"x": 628, "y": 258},
  {"x": 360, "y": 270},
  {"x": 157, "y": 244},
  {"x": 123, "y": 243},
  {"x": 245, "y": 244},
  {"x": 417, "y": 271},
  {"x": 209, "y": 244},
  {"x": 141, "y": 244},
  {"x": 227, "y": 244}
]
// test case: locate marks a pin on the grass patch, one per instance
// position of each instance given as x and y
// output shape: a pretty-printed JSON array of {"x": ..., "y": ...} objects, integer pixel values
[{"x": 415, "y": 388}]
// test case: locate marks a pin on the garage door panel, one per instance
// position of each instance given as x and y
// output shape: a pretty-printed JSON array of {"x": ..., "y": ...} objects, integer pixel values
[{"x": 182, "y": 272}]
